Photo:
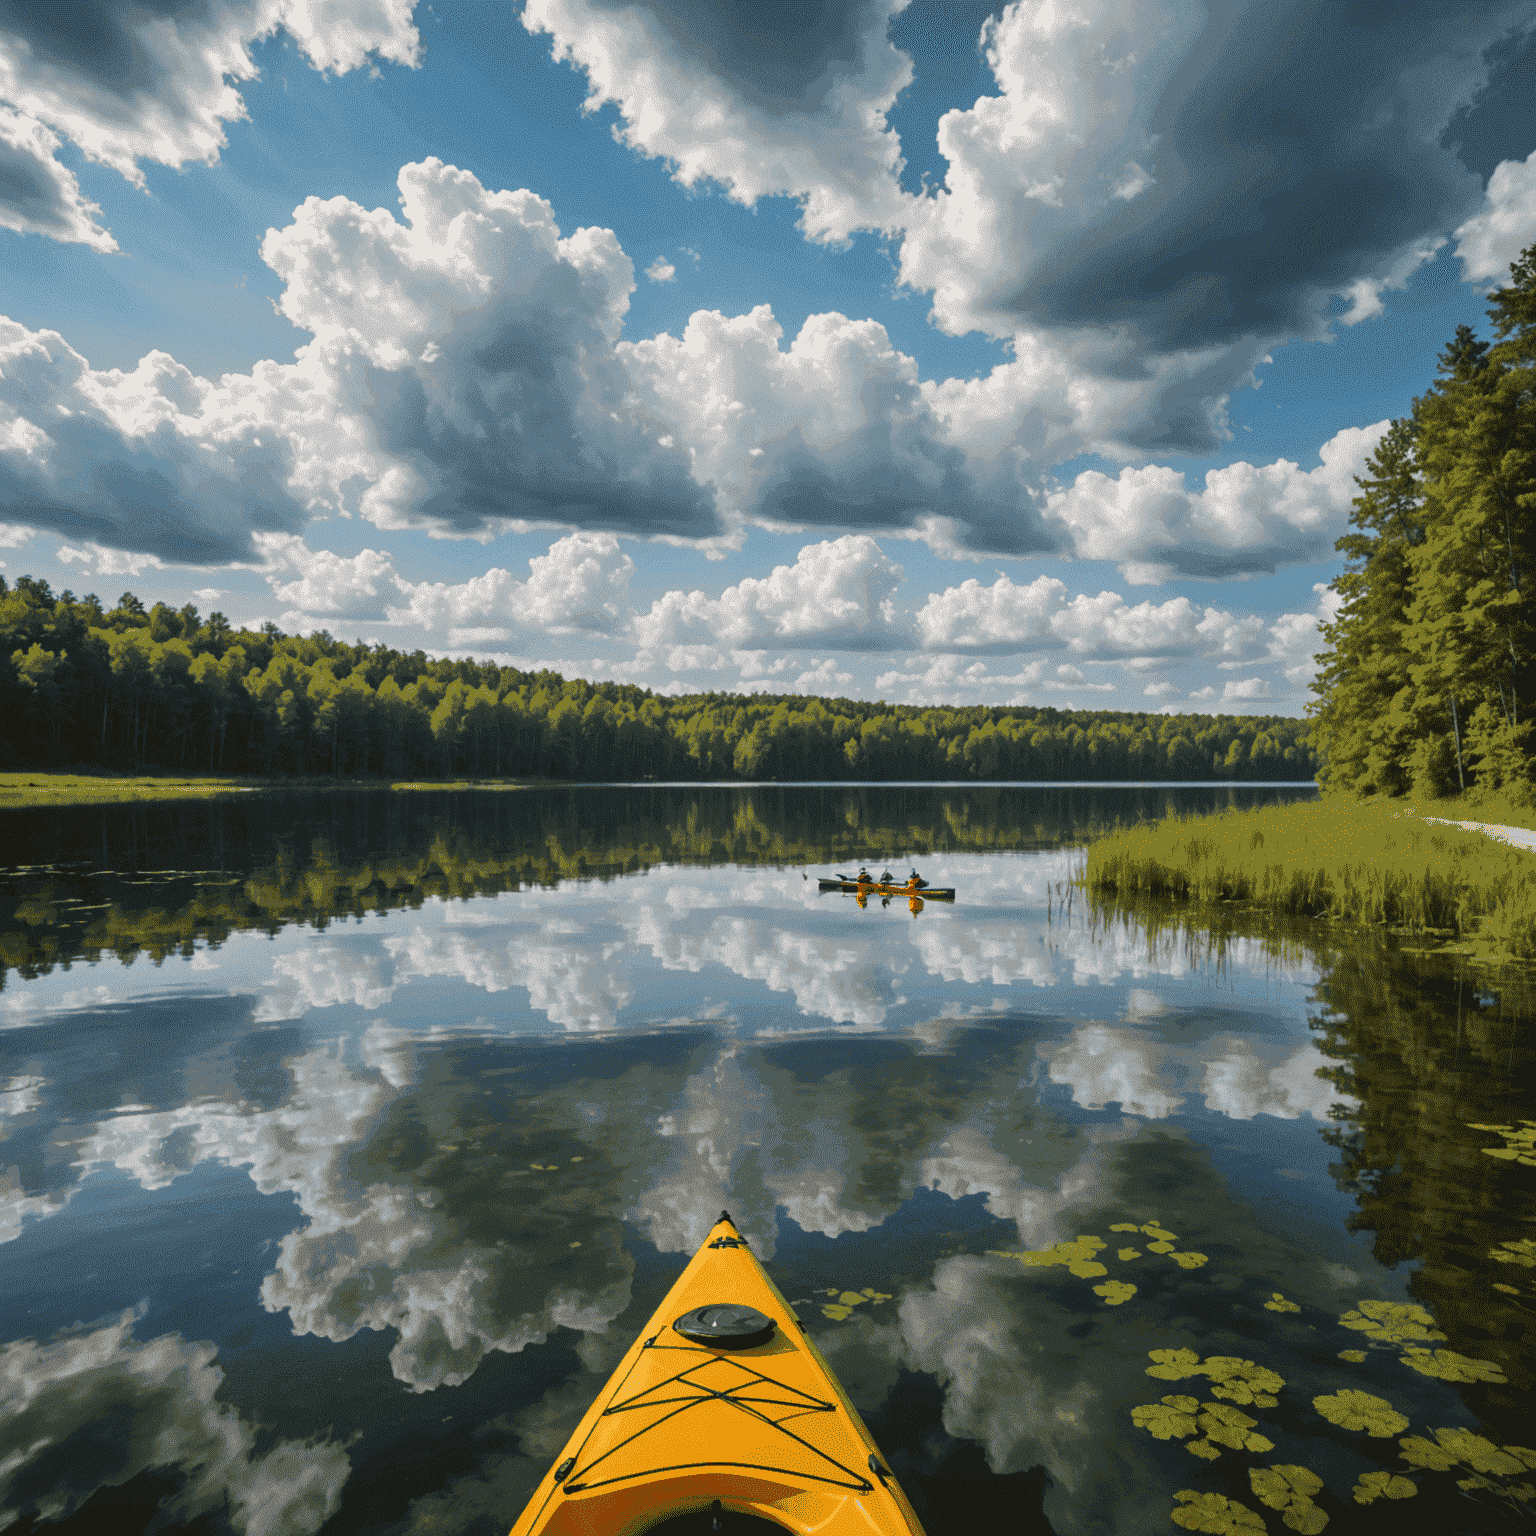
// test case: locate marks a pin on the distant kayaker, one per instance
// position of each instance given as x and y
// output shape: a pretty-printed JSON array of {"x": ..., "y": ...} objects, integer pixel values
[
  {"x": 916, "y": 881},
  {"x": 864, "y": 876},
  {"x": 886, "y": 877}
]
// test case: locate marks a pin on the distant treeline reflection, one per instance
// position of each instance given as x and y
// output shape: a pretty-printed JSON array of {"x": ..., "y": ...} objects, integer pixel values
[{"x": 158, "y": 878}]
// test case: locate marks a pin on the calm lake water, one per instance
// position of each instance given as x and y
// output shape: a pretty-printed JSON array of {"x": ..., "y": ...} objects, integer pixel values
[{"x": 350, "y": 1138}]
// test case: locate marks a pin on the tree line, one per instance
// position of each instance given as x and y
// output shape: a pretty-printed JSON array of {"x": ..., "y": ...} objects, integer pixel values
[
  {"x": 1427, "y": 684},
  {"x": 136, "y": 687}
]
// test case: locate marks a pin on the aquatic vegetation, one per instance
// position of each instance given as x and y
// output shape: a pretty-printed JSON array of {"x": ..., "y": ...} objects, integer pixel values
[
  {"x": 1350, "y": 1409},
  {"x": 1124, "y": 1226},
  {"x": 842, "y": 1308},
  {"x": 1078, "y": 1257},
  {"x": 1354, "y": 1356},
  {"x": 1383, "y": 1485},
  {"x": 1115, "y": 1292},
  {"x": 1519, "y": 1145},
  {"x": 1393, "y": 1322},
  {"x": 1188, "y": 1260},
  {"x": 1215, "y": 1514},
  {"x": 1447, "y": 1365},
  {"x": 1278, "y": 1303},
  {"x": 1522, "y": 1252},
  {"x": 1460, "y": 1447},
  {"x": 1231, "y": 1427},
  {"x": 1172, "y": 1418},
  {"x": 1240, "y": 1380},
  {"x": 1125, "y": 1255},
  {"x": 1290, "y": 1489}
]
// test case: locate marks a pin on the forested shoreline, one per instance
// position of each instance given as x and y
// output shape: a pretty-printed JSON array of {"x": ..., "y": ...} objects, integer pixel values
[
  {"x": 1427, "y": 685},
  {"x": 133, "y": 687}
]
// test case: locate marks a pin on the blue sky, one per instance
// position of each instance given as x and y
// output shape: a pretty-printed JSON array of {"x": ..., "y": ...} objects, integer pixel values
[{"x": 850, "y": 348}]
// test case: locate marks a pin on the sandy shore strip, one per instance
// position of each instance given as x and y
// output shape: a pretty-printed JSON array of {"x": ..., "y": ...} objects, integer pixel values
[{"x": 1520, "y": 837}]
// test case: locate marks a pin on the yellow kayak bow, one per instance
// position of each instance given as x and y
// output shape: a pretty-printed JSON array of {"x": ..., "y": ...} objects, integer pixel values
[{"x": 724, "y": 1405}]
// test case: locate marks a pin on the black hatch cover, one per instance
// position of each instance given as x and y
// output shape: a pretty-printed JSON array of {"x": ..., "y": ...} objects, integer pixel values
[{"x": 726, "y": 1325}]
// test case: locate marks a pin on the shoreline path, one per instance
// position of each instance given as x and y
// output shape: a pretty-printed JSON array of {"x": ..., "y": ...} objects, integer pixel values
[{"x": 1521, "y": 837}]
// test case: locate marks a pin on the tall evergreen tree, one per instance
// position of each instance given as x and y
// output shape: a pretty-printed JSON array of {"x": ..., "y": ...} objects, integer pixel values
[
  {"x": 1364, "y": 725},
  {"x": 1471, "y": 625}
]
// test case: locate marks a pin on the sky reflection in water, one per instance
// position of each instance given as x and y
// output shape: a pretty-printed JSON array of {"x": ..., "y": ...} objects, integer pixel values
[{"x": 344, "y": 1228}]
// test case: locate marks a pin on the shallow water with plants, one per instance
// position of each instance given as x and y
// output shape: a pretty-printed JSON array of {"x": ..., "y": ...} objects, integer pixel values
[{"x": 349, "y": 1137}]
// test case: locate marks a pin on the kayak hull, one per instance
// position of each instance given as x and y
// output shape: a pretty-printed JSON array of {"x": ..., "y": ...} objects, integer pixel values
[
  {"x": 682, "y": 1427},
  {"x": 875, "y": 888}
]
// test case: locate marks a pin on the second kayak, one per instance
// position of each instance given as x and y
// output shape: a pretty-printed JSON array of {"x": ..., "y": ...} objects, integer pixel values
[{"x": 722, "y": 1406}]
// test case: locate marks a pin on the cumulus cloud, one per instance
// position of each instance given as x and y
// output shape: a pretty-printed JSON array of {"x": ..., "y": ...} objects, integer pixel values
[
  {"x": 41, "y": 195},
  {"x": 580, "y": 585},
  {"x": 761, "y": 102},
  {"x": 101, "y": 561},
  {"x": 93, "y": 1409},
  {"x": 157, "y": 460},
  {"x": 661, "y": 271},
  {"x": 1248, "y": 519},
  {"x": 1506, "y": 223},
  {"x": 837, "y": 593},
  {"x": 837, "y": 429},
  {"x": 127, "y": 82}
]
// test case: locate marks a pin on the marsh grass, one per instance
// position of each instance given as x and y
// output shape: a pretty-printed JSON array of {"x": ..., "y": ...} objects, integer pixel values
[
  {"x": 1373, "y": 864},
  {"x": 25, "y": 790}
]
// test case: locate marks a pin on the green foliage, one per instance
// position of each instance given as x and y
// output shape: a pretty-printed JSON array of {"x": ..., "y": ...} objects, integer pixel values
[
  {"x": 165, "y": 688},
  {"x": 1393, "y": 1322},
  {"x": 841, "y": 1306},
  {"x": 1172, "y": 1418},
  {"x": 1519, "y": 1142},
  {"x": 1427, "y": 680},
  {"x": 1367, "y": 865},
  {"x": 1447, "y": 1365},
  {"x": 1115, "y": 1292},
  {"x": 1350, "y": 1409},
  {"x": 1291, "y": 1489},
  {"x": 1383, "y": 1485},
  {"x": 1212, "y": 1513},
  {"x": 1278, "y": 1303}
]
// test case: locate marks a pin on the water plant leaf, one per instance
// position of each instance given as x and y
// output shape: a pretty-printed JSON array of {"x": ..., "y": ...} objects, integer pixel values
[
  {"x": 1419, "y": 1452},
  {"x": 1161, "y": 1246},
  {"x": 1393, "y": 1322},
  {"x": 1226, "y": 1425},
  {"x": 1126, "y": 1254},
  {"x": 1350, "y": 1409},
  {"x": 1447, "y": 1365},
  {"x": 1173, "y": 1364},
  {"x": 1476, "y": 1452},
  {"x": 1212, "y": 1513},
  {"x": 1158, "y": 1233},
  {"x": 836, "y": 1313},
  {"x": 1509, "y": 1290},
  {"x": 1520, "y": 1491},
  {"x": 876, "y": 1296},
  {"x": 1290, "y": 1489},
  {"x": 1125, "y": 1226},
  {"x": 1519, "y": 1145},
  {"x": 1242, "y": 1381},
  {"x": 1115, "y": 1292},
  {"x": 1189, "y": 1260},
  {"x": 1203, "y": 1449},
  {"x": 1354, "y": 1356},
  {"x": 1522, "y": 1252},
  {"x": 1383, "y": 1485},
  {"x": 1078, "y": 1256},
  {"x": 1171, "y": 1419},
  {"x": 1278, "y": 1303}
]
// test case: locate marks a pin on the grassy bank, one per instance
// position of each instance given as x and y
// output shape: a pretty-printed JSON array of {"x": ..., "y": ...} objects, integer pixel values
[
  {"x": 23, "y": 790},
  {"x": 1374, "y": 864}
]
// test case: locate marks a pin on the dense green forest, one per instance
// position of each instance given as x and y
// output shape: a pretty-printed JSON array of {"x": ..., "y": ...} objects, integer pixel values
[
  {"x": 1427, "y": 682},
  {"x": 133, "y": 687}
]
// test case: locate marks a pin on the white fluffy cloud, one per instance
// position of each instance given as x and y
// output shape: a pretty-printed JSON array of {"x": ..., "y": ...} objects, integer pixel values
[
  {"x": 98, "y": 1408},
  {"x": 1506, "y": 223},
  {"x": 837, "y": 593},
  {"x": 1249, "y": 518},
  {"x": 724, "y": 95},
  {"x": 128, "y": 83}
]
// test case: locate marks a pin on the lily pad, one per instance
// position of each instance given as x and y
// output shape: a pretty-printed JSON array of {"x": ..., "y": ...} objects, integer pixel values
[
  {"x": 1479, "y": 1454},
  {"x": 1173, "y": 1364},
  {"x": 1225, "y": 1425},
  {"x": 1447, "y": 1365},
  {"x": 1189, "y": 1260},
  {"x": 1161, "y": 1246},
  {"x": 1278, "y": 1303},
  {"x": 1519, "y": 1145},
  {"x": 1242, "y": 1381},
  {"x": 1125, "y": 1226},
  {"x": 1522, "y": 1253},
  {"x": 1078, "y": 1257},
  {"x": 1171, "y": 1419},
  {"x": 1290, "y": 1489},
  {"x": 1354, "y": 1356},
  {"x": 1393, "y": 1322},
  {"x": 1115, "y": 1292},
  {"x": 1350, "y": 1409},
  {"x": 1203, "y": 1449},
  {"x": 1215, "y": 1514},
  {"x": 1127, "y": 1254},
  {"x": 1158, "y": 1233},
  {"x": 1383, "y": 1485}
]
